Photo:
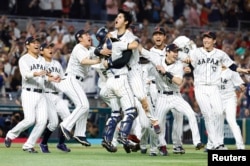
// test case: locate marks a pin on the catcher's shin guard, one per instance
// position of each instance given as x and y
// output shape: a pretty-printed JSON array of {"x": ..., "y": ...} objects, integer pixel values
[
  {"x": 127, "y": 122},
  {"x": 111, "y": 126}
]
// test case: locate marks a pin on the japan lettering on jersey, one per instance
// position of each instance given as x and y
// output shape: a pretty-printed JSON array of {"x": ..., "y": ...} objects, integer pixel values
[{"x": 208, "y": 65}]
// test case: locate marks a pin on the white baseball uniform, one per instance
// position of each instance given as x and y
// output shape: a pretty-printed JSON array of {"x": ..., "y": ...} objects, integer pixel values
[
  {"x": 56, "y": 105},
  {"x": 72, "y": 85},
  {"x": 230, "y": 80},
  {"x": 33, "y": 100},
  {"x": 169, "y": 97},
  {"x": 177, "y": 128},
  {"x": 147, "y": 131},
  {"x": 207, "y": 71}
]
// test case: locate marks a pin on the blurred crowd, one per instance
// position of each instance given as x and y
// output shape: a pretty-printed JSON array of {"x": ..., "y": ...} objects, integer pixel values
[{"x": 173, "y": 15}]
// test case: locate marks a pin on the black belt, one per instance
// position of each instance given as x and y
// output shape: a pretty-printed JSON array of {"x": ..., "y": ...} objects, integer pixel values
[
  {"x": 117, "y": 76},
  {"x": 77, "y": 77},
  {"x": 55, "y": 93},
  {"x": 35, "y": 90},
  {"x": 153, "y": 82},
  {"x": 166, "y": 92}
]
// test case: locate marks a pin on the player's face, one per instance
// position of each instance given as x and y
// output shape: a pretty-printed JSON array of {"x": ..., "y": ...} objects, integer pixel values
[
  {"x": 120, "y": 21},
  {"x": 208, "y": 43},
  {"x": 86, "y": 40},
  {"x": 33, "y": 48},
  {"x": 172, "y": 56},
  {"x": 48, "y": 53},
  {"x": 159, "y": 39}
]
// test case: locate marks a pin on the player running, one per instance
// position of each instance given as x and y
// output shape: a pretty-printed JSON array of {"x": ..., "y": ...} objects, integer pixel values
[
  {"x": 33, "y": 71},
  {"x": 55, "y": 104}
]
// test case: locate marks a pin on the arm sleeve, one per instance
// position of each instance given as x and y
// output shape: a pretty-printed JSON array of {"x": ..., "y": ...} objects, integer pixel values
[{"x": 121, "y": 62}]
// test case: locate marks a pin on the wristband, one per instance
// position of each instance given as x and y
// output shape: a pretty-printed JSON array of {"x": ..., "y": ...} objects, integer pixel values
[{"x": 169, "y": 75}]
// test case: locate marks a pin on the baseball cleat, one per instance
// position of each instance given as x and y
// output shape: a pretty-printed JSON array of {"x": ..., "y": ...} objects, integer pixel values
[
  {"x": 63, "y": 147},
  {"x": 7, "y": 142},
  {"x": 163, "y": 150},
  {"x": 152, "y": 154},
  {"x": 135, "y": 148},
  {"x": 143, "y": 151},
  {"x": 199, "y": 146},
  {"x": 125, "y": 142},
  {"x": 30, "y": 150},
  {"x": 126, "y": 148},
  {"x": 179, "y": 150},
  {"x": 221, "y": 147},
  {"x": 65, "y": 132},
  {"x": 44, "y": 148},
  {"x": 82, "y": 140},
  {"x": 109, "y": 146}
]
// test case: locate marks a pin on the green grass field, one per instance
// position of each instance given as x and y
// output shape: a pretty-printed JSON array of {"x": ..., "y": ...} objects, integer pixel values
[{"x": 98, "y": 156}]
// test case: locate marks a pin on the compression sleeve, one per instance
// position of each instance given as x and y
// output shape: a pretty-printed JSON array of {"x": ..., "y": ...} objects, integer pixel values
[
  {"x": 233, "y": 67},
  {"x": 121, "y": 62}
]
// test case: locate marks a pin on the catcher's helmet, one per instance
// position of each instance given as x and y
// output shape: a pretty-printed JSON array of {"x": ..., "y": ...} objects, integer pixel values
[{"x": 101, "y": 34}]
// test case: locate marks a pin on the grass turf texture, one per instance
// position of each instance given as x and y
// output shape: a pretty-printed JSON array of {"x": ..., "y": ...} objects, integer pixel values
[{"x": 98, "y": 156}]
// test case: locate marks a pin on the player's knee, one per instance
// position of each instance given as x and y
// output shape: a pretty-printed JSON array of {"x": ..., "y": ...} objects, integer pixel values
[{"x": 131, "y": 113}]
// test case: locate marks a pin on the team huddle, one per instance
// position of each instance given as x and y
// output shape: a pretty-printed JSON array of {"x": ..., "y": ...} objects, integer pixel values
[{"x": 140, "y": 86}]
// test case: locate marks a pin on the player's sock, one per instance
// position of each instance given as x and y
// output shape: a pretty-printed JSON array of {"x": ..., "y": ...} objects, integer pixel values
[
  {"x": 46, "y": 136},
  {"x": 61, "y": 137}
]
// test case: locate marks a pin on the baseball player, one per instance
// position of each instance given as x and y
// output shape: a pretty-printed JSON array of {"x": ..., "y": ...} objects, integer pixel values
[
  {"x": 148, "y": 134},
  {"x": 33, "y": 71},
  {"x": 55, "y": 104},
  {"x": 159, "y": 36},
  {"x": 168, "y": 73},
  {"x": 118, "y": 90},
  {"x": 81, "y": 58},
  {"x": 122, "y": 23},
  {"x": 231, "y": 81},
  {"x": 207, "y": 63}
]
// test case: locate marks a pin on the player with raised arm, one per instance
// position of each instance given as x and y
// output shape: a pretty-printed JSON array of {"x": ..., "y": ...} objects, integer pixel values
[
  {"x": 122, "y": 23},
  {"x": 33, "y": 71},
  {"x": 207, "y": 62},
  {"x": 55, "y": 104},
  {"x": 82, "y": 57}
]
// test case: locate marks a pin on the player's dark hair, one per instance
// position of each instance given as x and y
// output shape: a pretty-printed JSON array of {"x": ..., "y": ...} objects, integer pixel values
[{"x": 127, "y": 17}]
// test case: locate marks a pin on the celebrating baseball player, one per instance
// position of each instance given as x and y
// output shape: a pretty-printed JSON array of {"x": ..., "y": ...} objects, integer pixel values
[
  {"x": 118, "y": 90},
  {"x": 55, "y": 104},
  {"x": 169, "y": 73},
  {"x": 122, "y": 23},
  {"x": 33, "y": 71},
  {"x": 231, "y": 81},
  {"x": 81, "y": 58},
  {"x": 207, "y": 62}
]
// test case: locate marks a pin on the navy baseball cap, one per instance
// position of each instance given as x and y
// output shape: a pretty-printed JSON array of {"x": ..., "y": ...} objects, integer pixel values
[
  {"x": 31, "y": 40},
  {"x": 209, "y": 34},
  {"x": 159, "y": 30},
  {"x": 172, "y": 47},
  {"x": 79, "y": 34},
  {"x": 46, "y": 45}
]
